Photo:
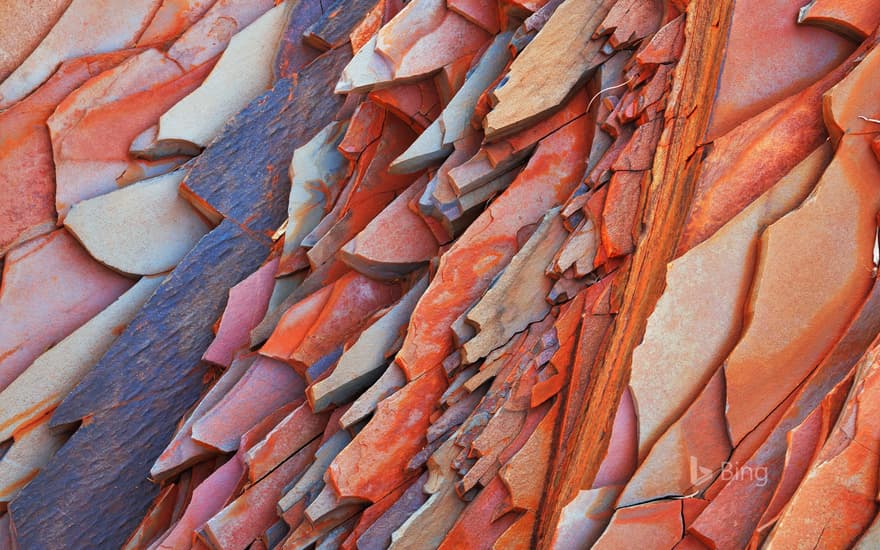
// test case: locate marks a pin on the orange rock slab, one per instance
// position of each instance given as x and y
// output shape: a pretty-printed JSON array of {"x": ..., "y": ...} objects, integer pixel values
[{"x": 467, "y": 269}]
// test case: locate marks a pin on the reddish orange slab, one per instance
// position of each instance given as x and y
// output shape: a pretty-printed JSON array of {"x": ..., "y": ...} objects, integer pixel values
[
  {"x": 469, "y": 266},
  {"x": 375, "y": 463},
  {"x": 27, "y": 172}
]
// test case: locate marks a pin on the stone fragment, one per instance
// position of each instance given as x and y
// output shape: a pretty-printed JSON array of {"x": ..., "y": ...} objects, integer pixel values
[
  {"x": 132, "y": 422},
  {"x": 467, "y": 269},
  {"x": 92, "y": 129},
  {"x": 260, "y": 140},
  {"x": 679, "y": 354},
  {"x": 361, "y": 364},
  {"x": 51, "y": 376},
  {"x": 265, "y": 387},
  {"x": 544, "y": 75},
  {"x": 854, "y": 20},
  {"x": 515, "y": 301},
  {"x": 243, "y": 72},
  {"x": 847, "y": 200},
  {"x": 51, "y": 287},
  {"x": 247, "y": 304},
  {"x": 27, "y": 171},
  {"x": 110, "y": 28},
  {"x": 143, "y": 229},
  {"x": 32, "y": 448}
]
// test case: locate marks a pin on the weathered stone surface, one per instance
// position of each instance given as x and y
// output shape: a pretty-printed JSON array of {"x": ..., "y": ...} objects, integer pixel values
[
  {"x": 50, "y": 288},
  {"x": 22, "y": 27},
  {"x": 27, "y": 171},
  {"x": 515, "y": 301},
  {"x": 173, "y": 18},
  {"x": 396, "y": 242},
  {"x": 679, "y": 354},
  {"x": 51, "y": 376},
  {"x": 93, "y": 127},
  {"x": 765, "y": 39},
  {"x": 361, "y": 364},
  {"x": 545, "y": 74},
  {"x": 467, "y": 269},
  {"x": 792, "y": 306},
  {"x": 143, "y": 229},
  {"x": 336, "y": 23},
  {"x": 242, "y": 175},
  {"x": 131, "y": 422},
  {"x": 267, "y": 386},
  {"x": 32, "y": 448},
  {"x": 243, "y": 72},
  {"x": 318, "y": 172},
  {"x": 247, "y": 304},
  {"x": 110, "y": 27},
  {"x": 853, "y": 19}
]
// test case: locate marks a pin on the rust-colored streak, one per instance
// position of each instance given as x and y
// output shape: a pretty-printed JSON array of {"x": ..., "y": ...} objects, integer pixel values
[{"x": 676, "y": 166}]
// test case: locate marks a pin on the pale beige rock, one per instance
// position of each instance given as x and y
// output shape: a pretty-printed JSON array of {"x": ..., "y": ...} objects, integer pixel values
[
  {"x": 359, "y": 365},
  {"x": 391, "y": 380},
  {"x": 143, "y": 229},
  {"x": 32, "y": 449},
  {"x": 517, "y": 298},
  {"x": 54, "y": 374},
  {"x": 211, "y": 34},
  {"x": 546, "y": 71},
  {"x": 698, "y": 318},
  {"x": 242, "y": 73},
  {"x": 317, "y": 173},
  {"x": 364, "y": 70},
  {"x": 436, "y": 141},
  {"x": 428, "y": 526},
  {"x": 86, "y": 27}
]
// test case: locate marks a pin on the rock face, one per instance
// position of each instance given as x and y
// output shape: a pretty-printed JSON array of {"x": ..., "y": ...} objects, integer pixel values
[{"x": 439, "y": 274}]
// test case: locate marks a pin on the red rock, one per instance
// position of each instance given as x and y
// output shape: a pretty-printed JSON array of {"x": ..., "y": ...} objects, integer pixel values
[
  {"x": 374, "y": 512},
  {"x": 484, "y": 14},
  {"x": 620, "y": 214},
  {"x": 374, "y": 464},
  {"x": 288, "y": 437},
  {"x": 51, "y": 286},
  {"x": 22, "y": 27},
  {"x": 466, "y": 270},
  {"x": 247, "y": 304},
  {"x": 87, "y": 27},
  {"x": 93, "y": 127},
  {"x": 853, "y": 19},
  {"x": 476, "y": 528},
  {"x": 827, "y": 298},
  {"x": 172, "y": 18},
  {"x": 844, "y": 474},
  {"x": 252, "y": 513},
  {"x": 266, "y": 386},
  {"x": 655, "y": 524},
  {"x": 27, "y": 173},
  {"x": 352, "y": 300},
  {"x": 766, "y": 40},
  {"x": 294, "y": 325},
  {"x": 395, "y": 242},
  {"x": 749, "y": 159},
  {"x": 417, "y": 104},
  {"x": 688, "y": 455},
  {"x": 208, "y": 499},
  {"x": 622, "y": 455}
]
